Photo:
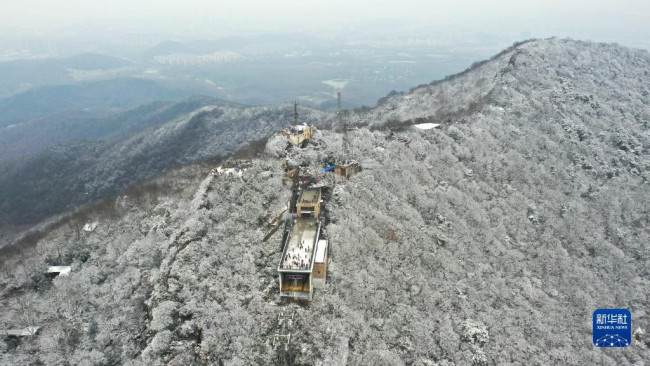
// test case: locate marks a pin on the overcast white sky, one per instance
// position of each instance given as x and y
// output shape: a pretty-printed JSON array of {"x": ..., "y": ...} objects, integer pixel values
[{"x": 604, "y": 20}]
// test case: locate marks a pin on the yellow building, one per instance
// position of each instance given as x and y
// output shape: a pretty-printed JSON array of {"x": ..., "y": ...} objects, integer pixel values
[
  {"x": 309, "y": 203},
  {"x": 299, "y": 135}
]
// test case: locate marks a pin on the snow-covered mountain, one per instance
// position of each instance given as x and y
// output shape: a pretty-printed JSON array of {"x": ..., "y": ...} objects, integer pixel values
[
  {"x": 490, "y": 241},
  {"x": 71, "y": 173}
]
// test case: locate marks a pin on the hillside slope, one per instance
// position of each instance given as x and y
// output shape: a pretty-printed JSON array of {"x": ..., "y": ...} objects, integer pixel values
[
  {"x": 489, "y": 242},
  {"x": 554, "y": 78},
  {"x": 75, "y": 172},
  {"x": 36, "y": 135}
]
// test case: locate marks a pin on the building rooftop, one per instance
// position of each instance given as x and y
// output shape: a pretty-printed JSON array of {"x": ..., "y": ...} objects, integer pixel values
[
  {"x": 299, "y": 247},
  {"x": 61, "y": 270},
  {"x": 309, "y": 196},
  {"x": 25, "y": 332},
  {"x": 426, "y": 126},
  {"x": 298, "y": 129},
  {"x": 301, "y": 127},
  {"x": 90, "y": 227},
  {"x": 320, "y": 251}
]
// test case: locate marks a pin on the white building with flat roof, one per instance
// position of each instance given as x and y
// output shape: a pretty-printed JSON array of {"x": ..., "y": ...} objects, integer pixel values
[
  {"x": 25, "y": 332},
  {"x": 59, "y": 270},
  {"x": 319, "y": 273}
]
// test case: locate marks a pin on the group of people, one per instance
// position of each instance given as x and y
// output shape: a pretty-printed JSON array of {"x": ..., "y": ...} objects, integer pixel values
[
  {"x": 303, "y": 246},
  {"x": 293, "y": 260}
]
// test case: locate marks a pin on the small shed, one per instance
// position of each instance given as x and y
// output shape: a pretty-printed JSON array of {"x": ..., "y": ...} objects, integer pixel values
[
  {"x": 59, "y": 270},
  {"x": 90, "y": 227},
  {"x": 320, "y": 264},
  {"x": 25, "y": 332},
  {"x": 428, "y": 126},
  {"x": 345, "y": 171}
]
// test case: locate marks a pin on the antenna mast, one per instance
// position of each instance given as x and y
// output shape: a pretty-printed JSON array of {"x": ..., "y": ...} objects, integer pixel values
[
  {"x": 338, "y": 98},
  {"x": 338, "y": 111},
  {"x": 295, "y": 112},
  {"x": 344, "y": 126}
]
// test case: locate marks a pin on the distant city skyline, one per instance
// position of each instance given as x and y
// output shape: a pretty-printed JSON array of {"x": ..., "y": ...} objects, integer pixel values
[{"x": 625, "y": 22}]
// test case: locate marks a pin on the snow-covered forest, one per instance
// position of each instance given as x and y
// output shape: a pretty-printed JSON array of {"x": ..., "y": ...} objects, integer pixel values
[
  {"x": 488, "y": 242},
  {"x": 75, "y": 172}
]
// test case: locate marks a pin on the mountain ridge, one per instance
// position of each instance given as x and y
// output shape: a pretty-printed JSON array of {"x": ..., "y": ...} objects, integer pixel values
[
  {"x": 116, "y": 94},
  {"x": 502, "y": 68},
  {"x": 70, "y": 173},
  {"x": 507, "y": 229}
]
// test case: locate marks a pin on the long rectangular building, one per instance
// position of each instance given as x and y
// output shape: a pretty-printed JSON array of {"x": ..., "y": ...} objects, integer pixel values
[
  {"x": 319, "y": 273},
  {"x": 297, "y": 262}
]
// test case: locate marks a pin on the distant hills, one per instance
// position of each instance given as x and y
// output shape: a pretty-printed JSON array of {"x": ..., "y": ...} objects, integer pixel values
[
  {"x": 36, "y": 135},
  {"x": 260, "y": 69},
  {"x": 100, "y": 96},
  {"x": 15, "y": 75}
]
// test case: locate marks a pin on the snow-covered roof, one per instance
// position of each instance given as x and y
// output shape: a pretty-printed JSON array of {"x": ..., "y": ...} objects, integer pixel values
[
  {"x": 301, "y": 127},
  {"x": 320, "y": 251},
  {"x": 426, "y": 126},
  {"x": 29, "y": 331},
  {"x": 90, "y": 226},
  {"x": 348, "y": 163},
  {"x": 298, "y": 129},
  {"x": 228, "y": 171},
  {"x": 61, "y": 270}
]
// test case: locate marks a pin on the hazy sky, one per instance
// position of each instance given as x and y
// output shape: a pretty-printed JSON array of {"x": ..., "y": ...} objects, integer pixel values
[{"x": 604, "y": 20}]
